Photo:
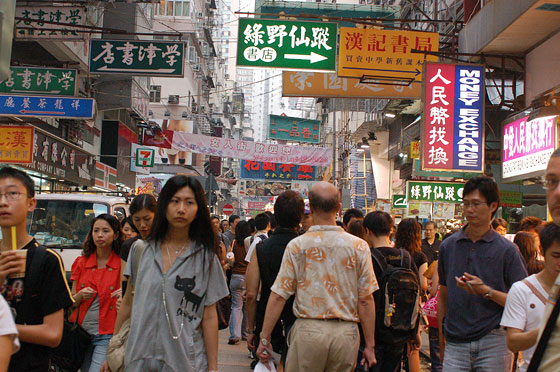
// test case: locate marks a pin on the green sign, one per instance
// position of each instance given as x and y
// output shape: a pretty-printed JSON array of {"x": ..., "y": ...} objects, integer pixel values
[
  {"x": 294, "y": 129},
  {"x": 137, "y": 57},
  {"x": 512, "y": 199},
  {"x": 39, "y": 80},
  {"x": 448, "y": 192},
  {"x": 399, "y": 202},
  {"x": 145, "y": 157},
  {"x": 287, "y": 44}
]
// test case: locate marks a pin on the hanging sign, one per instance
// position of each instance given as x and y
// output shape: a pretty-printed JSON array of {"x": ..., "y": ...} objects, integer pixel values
[
  {"x": 415, "y": 150},
  {"x": 49, "y": 22},
  {"x": 40, "y": 80},
  {"x": 145, "y": 157},
  {"x": 511, "y": 199},
  {"x": 16, "y": 144},
  {"x": 450, "y": 192},
  {"x": 37, "y": 106},
  {"x": 399, "y": 202},
  {"x": 294, "y": 129},
  {"x": 262, "y": 170},
  {"x": 453, "y": 120}
]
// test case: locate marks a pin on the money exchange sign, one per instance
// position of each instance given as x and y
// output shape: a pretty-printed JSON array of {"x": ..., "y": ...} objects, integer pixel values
[
  {"x": 137, "y": 57},
  {"x": 286, "y": 44},
  {"x": 453, "y": 125},
  {"x": 450, "y": 192},
  {"x": 35, "y": 22},
  {"x": 16, "y": 144},
  {"x": 294, "y": 129},
  {"x": 263, "y": 170},
  {"x": 40, "y": 80}
]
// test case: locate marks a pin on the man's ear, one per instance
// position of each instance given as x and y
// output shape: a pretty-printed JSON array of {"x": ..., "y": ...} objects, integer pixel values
[{"x": 494, "y": 206}]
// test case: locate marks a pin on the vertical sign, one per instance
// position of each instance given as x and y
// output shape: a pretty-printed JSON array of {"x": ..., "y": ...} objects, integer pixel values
[{"x": 453, "y": 125}]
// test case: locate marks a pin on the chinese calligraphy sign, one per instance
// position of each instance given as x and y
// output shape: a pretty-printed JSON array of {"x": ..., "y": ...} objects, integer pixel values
[
  {"x": 386, "y": 54},
  {"x": 16, "y": 144},
  {"x": 449, "y": 192},
  {"x": 453, "y": 125},
  {"x": 285, "y": 172},
  {"x": 38, "y": 80},
  {"x": 294, "y": 129},
  {"x": 49, "y": 22},
  {"x": 37, "y": 106},
  {"x": 137, "y": 57},
  {"x": 286, "y": 44}
]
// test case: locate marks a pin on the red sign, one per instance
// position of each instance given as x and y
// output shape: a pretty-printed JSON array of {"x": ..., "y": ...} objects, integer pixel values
[{"x": 228, "y": 209}]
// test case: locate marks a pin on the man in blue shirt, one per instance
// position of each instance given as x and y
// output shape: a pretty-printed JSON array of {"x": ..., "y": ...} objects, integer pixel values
[{"x": 477, "y": 266}]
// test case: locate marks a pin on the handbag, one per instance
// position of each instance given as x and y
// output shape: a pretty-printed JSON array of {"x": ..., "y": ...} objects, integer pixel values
[
  {"x": 223, "y": 308},
  {"x": 430, "y": 309},
  {"x": 69, "y": 355}
]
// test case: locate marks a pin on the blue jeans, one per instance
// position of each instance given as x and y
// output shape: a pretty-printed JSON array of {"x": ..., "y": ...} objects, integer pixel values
[
  {"x": 96, "y": 353},
  {"x": 238, "y": 317},
  {"x": 434, "y": 350},
  {"x": 489, "y": 354}
]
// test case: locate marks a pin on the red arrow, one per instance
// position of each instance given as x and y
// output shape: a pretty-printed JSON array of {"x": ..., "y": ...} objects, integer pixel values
[{"x": 40, "y": 112}]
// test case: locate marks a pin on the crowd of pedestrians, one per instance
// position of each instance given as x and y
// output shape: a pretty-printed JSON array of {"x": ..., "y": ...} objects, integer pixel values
[{"x": 307, "y": 292}]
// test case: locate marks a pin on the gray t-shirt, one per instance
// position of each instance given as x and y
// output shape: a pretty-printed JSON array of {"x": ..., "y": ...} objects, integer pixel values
[
  {"x": 228, "y": 238},
  {"x": 195, "y": 280},
  {"x": 91, "y": 320}
]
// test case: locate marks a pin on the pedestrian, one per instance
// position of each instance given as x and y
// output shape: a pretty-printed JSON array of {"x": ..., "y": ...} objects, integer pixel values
[
  {"x": 430, "y": 244},
  {"x": 263, "y": 270},
  {"x": 238, "y": 316},
  {"x": 351, "y": 215},
  {"x": 532, "y": 225},
  {"x": 330, "y": 273},
  {"x": 128, "y": 230},
  {"x": 224, "y": 226},
  {"x": 356, "y": 228},
  {"x": 174, "y": 326},
  {"x": 96, "y": 287},
  {"x": 229, "y": 235},
  {"x": 526, "y": 300},
  {"x": 390, "y": 344},
  {"x": 219, "y": 241},
  {"x": 9, "y": 342},
  {"x": 529, "y": 249},
  {"x": 476, "y": 267},
  {"x": 262, "y": 223},
  {"x": 38, "y": 308},
  {"x": 307, "y": 219},
  {"x": 430, "y": 309},
  {"x": 142, "y": 210},
  {"x": 500, "y": 225}
]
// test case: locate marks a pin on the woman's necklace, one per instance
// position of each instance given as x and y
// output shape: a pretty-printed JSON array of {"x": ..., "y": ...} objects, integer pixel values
[{"x": 177, "y": 252}]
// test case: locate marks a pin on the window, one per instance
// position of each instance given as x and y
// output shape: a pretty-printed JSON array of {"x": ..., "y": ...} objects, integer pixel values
[
  {"x": 174, "y": 8},
  {"x": 155, "y": 93}
]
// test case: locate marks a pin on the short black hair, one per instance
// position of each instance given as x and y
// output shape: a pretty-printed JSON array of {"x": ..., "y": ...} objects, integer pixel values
[
  {"x": 549, "y": 235},
  {"x": 556, "y": 153},
  {"x": 486, "y": 186},
  {"x": 142, "y": 201},
  {"x": 379, "y": 223},
  {"x": 242, "y": 231},
  {"x": 430, "y": 223},
  {"x": 352, "y": 212},
  {"x": 261, "y": 221},
  {"x": 318, "y": 204},
  {"x": 232, "y": 218},
  {"x": 497, "y": 222},
  {"x": 253, "y": 226},
  {"x": 288, "y": 209},
  {"x": 214, "y": 217},
  {"x": 9, "y": 172}
]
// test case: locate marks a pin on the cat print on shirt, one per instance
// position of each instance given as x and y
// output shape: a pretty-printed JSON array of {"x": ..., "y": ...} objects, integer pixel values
[{"x": 186, "y": 285}]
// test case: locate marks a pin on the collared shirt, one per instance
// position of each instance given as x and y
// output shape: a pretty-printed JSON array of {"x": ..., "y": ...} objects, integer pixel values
[
  {"x": 104, "y": 281},
  {"x": 328, "y": 270},
  {"x": 496, "y": 261},
  {"x": 431, "y": 250}
]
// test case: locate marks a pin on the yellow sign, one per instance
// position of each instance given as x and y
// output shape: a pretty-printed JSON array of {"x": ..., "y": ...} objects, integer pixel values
[
  {"x": 415, "y": 150},
  {"x": 384, "y": 54},
  {"x": 319, "y": 84},
  {"x": 16, "y": 144}
]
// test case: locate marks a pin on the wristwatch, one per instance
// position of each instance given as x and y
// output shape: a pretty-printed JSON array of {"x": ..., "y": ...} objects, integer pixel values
[
  {"x": 264, "y": 341},
  {"x": 488, "y": 295}
]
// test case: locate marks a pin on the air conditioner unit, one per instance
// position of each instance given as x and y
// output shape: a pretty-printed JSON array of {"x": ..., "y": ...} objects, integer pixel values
[{"x": 173, "y": 99}]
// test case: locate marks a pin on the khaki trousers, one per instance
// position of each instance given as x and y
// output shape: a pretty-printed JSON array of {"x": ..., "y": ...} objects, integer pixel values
[{"x": 322, "y": 346}]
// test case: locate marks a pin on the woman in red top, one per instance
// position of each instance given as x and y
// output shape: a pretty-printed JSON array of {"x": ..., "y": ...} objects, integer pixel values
[{"x": 96, "y": 287}]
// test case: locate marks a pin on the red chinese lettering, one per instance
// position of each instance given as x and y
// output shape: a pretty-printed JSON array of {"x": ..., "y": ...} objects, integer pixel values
[
  {"x": 306, "y": 133},
  {"x": 286, "y": 167},
  {"x": 400, "y": 43},
  {"x": 295, "y": 131},
  {"x": 305, "y": 169},
  {"x": 354, "y": 41},
  {"x": 18, "y": 139},
  {"x": 423, "y": 43},
  {"x": 304, "y": 176},
  {"x": 269, "y": 166},
  {"x": 251, "y": 165},
  {"x": 376, "y": 43}
]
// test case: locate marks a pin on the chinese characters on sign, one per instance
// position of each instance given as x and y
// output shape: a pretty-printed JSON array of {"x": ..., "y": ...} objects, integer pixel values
[
  {"x": 527, "y": 146},
  {"x": 511, "y": 199},
  {"x": 449, "y": 192},
  {"x": 286, "y": 44},
  {"x": 385, "y": 54},
  {"x": 42, "y": 22},
  {"x": 453, "y": 129},
  {"x": 38, "y": 80},
  {"x": 37, "y": 106},
  {"x": 16, "y": 144},
  {"x": 153, "y": 58},
  {"x": 294, "y": 129},
  {"x": 319, "y": 84},
  {"x": 263, "y": 170}
]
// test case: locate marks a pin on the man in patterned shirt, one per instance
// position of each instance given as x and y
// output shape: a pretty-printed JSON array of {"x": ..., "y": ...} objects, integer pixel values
[{"x": 330, "y": 273}]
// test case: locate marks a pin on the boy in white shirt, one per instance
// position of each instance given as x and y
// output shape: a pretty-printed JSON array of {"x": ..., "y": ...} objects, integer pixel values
[{"x": 9, "y": 343}]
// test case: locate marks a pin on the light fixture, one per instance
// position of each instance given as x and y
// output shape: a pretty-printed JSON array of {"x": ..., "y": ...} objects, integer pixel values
[
  {"x": 365, "y": 144},
  {"x": 390, "y": 115}
]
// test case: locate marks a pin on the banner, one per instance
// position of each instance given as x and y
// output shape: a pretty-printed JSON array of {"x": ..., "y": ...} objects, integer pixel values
[
  {"x": 238, "y": 149},
  {"x": 263, "y": 188},
  {"x": 262, "y": 170},
  {"x": 294, "y": 129},
  {"x": 453, "y": 125}
]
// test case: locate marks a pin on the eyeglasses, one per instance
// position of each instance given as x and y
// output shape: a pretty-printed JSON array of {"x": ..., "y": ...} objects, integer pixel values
[
  {"x": 551, "y": 183},
  {"x": 12, "y": 195},
  {"x": 474, "y": 204}
]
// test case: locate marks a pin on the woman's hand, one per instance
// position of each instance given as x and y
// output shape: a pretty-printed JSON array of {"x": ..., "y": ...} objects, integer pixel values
[{"x": 86, "y": 293}]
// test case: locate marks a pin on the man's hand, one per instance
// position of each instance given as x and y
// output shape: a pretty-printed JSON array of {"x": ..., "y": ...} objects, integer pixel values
[
  {"x": 104, "y": 367},
  {"x": 368, "y": 357},
  {"x": 472, "y": 284},
  {"x": 264, "y": 353},
  {"x": 251, "y": 342},
  {"x": 10, "y": 263},
  {"x": 416, "y": 344}
]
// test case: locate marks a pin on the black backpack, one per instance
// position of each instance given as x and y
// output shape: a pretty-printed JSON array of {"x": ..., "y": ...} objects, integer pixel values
[{"x": 396, "y": 302}]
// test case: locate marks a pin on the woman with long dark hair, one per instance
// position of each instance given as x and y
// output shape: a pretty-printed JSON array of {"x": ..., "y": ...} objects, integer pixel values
[
  {"x": 142, "y": 211},
  {"x": 96, "y": 287},
  {"x": 174, "y": 326},
  {"x": 529, "y": 249}
]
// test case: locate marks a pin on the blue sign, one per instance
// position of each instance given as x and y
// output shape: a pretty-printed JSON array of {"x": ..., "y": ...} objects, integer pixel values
[
  {"x": 276, "y": 171},
  {"x": 60, "y": 107}
]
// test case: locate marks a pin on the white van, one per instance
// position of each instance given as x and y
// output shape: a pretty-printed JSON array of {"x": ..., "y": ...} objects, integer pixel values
[{"x": 62, "y": 221}]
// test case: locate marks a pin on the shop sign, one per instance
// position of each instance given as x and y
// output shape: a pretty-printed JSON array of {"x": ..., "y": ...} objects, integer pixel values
[
  {"x": 511, "y": 199},
  {"x": 320, "y": 84},
  {"x": 57, "y": 159},
  {"x": 262, "y": 170},
  {"x": 399, "y": 202},
  {"x": 133, "y": 167},
  {"x": 145, "y": 157},
  {"x": 444, "y": 211},
  {"x": 49, "y": 22},
  {"x": 415, "y": 150},
  {"x": 419, "y": 209},
  {"x": 139, "y": 100},
  {"x": 527, "y": 146},
  {"x": 40, "y": 80},
  {"x": 286, "y": 44},
  {"x": 105, "y": 176},
  {"x": 450, "y": 192},
  {"x": 294, "y": 129},
  {"x": 37, "y": 106},
  {"x": 137, "y": 57},
  {"x": 16, "y": 144},
  {"x": 453, "y": 125},
  {"x": 385, "y": 54}
]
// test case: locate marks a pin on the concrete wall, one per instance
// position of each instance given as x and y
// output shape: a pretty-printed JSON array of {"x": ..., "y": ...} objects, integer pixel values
[{"x": 542, "y": 72}]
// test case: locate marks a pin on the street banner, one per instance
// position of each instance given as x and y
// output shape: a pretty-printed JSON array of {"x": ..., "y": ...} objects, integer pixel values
[
  {"x": 251, "y": 169},
  {"x": 50, "y": 22},
  {"x": 41, "y": 80},
  {"x": 294, "y": 129},
  {"x": 238, "y": 149},
  {"x": 453, "y": 120},
  {"x": 16, "y": 144},
  {"x": 137, "y": 57},
  {"x": 320, "y": 84},
  {"x": 527, "y": 146},
  {"x": 385, "y": 54},
  {"x": 105, "y": 176},
  {"x": 447, "y": 192},
  {"x": 286, "y": 44},
  {"x": 37, "y": 106}
]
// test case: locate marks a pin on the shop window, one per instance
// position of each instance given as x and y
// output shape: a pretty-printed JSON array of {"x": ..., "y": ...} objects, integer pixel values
[{"x": 155, "y": 93}]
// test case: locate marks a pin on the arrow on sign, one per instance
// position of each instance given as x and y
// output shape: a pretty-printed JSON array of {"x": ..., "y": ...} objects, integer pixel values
[
  {"x": 41, "y": 112},
  {"x": 416, "y": 72},
  {"x": 313, "y": 57}
]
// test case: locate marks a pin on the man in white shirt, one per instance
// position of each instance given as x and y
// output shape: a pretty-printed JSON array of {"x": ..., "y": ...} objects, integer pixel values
[{"x": 262, "y": 224}]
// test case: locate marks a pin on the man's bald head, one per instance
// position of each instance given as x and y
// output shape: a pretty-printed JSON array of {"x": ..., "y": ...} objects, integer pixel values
[{"x": 324, "y": 198}]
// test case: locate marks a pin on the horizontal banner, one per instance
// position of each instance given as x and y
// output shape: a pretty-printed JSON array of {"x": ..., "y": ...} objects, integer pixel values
[{"x": 261, "y": 170}]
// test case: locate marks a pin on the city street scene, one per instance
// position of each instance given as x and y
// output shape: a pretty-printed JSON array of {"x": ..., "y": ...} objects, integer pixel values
[{"x": 292, "y": 186}]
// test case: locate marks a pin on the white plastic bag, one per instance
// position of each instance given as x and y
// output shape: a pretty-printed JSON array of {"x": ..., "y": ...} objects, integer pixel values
[{"x": 261, "y": 367}]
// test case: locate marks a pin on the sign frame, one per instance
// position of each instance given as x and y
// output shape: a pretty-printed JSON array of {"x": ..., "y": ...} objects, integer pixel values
[
  {"x": 14, "y": 71},
  {"x": 37, "y": 27},
  {"x": 90, "y": 114},
  {"x": 150, "y": 159},
  {"x": 432, "y": 200}
]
